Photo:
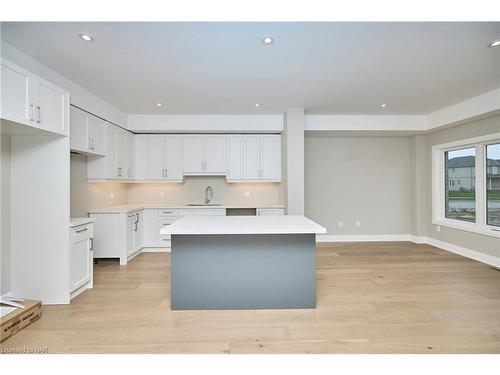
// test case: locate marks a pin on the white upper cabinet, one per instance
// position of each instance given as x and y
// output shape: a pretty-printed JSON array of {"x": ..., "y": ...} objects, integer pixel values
[
  {"x": 30, "y": 100},
  {"x": 173, "y": 156},
  {"x": 203, "y": 154},
  {"x": 141, "y": 157},
  {"x": 164, "y": 158},
  {"x": 192, "y": 154},
  {"x": 125, "y": 154},
  {"x": 270, "y": 157},
  {"x": 87, "y": 132},
  {"x": 96, "y": 135},
  {"x": 234, "y": 157},
  {"x": 253, "y": 157},
  {"x": 15, "y": 92}
]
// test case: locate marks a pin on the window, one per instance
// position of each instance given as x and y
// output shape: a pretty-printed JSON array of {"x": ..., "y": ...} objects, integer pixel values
[
  {"x": 466, "y": 185},
  {"x": 493, "y": 184},
  {"x": 460, "y": 202}
]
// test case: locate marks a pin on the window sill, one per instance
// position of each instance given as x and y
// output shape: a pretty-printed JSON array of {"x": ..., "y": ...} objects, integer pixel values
[{"x": 469, "y": 227}]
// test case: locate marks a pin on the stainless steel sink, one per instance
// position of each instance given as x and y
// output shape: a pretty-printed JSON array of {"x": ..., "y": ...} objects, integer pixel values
[{"x": 204, "y": 205}]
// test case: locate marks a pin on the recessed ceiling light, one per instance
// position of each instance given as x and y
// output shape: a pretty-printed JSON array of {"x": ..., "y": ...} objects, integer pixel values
[
  {"x": 257, "y": 105},
  {"x": 267, "y": 39},
  {"x": 86, "y": 37},
  {"x": 383, "y": 105},
  {"x": 495, "y": 43},
  {"x": 159, "y": 104}
]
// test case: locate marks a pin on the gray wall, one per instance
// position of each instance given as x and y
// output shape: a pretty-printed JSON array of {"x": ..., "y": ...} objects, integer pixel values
[
  {"x": 5, "y": 213},
  {"x": 485, "y": 244},
  {"x": 364, "y": 179}
]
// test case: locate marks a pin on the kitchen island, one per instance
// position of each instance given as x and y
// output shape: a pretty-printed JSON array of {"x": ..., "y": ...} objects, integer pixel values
[{"x": 243, "y": 262}]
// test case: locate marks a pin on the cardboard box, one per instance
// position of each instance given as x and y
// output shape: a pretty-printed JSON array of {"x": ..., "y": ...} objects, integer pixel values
[{"x": 20, "y": 318}]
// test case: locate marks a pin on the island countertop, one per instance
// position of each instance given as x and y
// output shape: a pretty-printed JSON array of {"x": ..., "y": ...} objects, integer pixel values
[{"x": 288, "y": 224}]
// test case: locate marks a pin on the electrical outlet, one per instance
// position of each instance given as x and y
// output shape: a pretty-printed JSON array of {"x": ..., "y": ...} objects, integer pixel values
[
  {"x": 358, "y": 224},
  {"x": 162, "y": 194},
  {"x": 111, "y": 195},
  {"x": 341, "y": 224},
  {"x": 247, "y": 193},
  {"x": 438, "y": 228}
]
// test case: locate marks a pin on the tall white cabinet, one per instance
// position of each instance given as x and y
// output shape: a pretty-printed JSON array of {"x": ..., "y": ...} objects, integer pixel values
[{"x": 31, "y": 100}]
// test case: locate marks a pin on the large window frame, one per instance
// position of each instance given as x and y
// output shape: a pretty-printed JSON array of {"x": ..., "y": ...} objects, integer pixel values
[{"x": 438, "y": 185}]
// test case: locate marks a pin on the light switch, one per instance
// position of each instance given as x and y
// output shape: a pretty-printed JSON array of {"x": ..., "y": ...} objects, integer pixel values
[
  {"x": 162, "y": 194},
  {"x": 358, "y": 224},
  {"x": 438, "y": 228},
  {"x": 247, "y": 193},
  {"x": 111, "y": 195},
  {"x": 341, "y": 224}
]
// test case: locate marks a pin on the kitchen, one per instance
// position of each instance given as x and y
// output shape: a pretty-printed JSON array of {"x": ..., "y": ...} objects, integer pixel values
[{"x": 234, "y": 205}]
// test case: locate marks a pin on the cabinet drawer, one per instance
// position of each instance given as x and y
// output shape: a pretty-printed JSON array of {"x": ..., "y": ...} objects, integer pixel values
[
  {"x": 167, "y": 212},
  {"x": 164, "y": 240},
  {"x": 81, "y": 232}
]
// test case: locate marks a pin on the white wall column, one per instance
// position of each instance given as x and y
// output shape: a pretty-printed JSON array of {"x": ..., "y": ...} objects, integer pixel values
[{"x": 293, "y": 161}]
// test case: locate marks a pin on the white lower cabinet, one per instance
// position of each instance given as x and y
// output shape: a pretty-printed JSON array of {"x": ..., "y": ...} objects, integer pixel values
[
  {"x": 80, "y": 259},
  {"x": 118, "y": 235}
]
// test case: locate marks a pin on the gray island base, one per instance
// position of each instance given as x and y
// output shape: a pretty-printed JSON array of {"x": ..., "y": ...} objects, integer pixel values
[
  {"x": 242, "y": 271},
  {"x": 232, "y": 263}
]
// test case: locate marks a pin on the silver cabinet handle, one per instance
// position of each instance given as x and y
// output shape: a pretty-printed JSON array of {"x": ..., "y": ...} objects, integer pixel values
[
  {"x": 81, "y": 230},
  {"x": 31, "y": 113},
  {"x": 39, "y": 114},
  {"x": 91, "y": 243},
  {"x": 166, "y": 173}
]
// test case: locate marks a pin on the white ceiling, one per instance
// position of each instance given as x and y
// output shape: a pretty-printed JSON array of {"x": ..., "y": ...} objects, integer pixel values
[{"x": 340, "y": 68}]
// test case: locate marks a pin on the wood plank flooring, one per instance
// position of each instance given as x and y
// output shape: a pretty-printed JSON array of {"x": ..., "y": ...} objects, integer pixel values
[{"x": 372, "y": 298}]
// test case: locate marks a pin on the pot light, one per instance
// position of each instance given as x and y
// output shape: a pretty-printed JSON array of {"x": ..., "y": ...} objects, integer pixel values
[
  {"x": 159, "y": 104},
  {"x": 495, "y": 43},
  {"x": 257, "y": 105},
  {"x": 267, "y": 39},
  {"x": 86, "y": 37},
  {"x": 383, "y": 105}
]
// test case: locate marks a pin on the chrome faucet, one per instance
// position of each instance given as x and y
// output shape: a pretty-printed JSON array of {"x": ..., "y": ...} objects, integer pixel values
[{"x": 209, "y": 194}]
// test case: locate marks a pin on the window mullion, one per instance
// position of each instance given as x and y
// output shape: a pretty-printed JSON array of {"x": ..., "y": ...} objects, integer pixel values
[{"x": 480, "y": 185}]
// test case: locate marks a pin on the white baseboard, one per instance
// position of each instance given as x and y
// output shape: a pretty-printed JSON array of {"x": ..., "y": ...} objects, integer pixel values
[
  {"x": 155, "y": 250},
  {"x": 362, "y": 238},
  {"x": 468, "y": 253}
]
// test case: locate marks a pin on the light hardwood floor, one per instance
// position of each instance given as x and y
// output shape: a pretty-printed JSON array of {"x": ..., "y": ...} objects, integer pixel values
[{"x": 372, "y": 298}]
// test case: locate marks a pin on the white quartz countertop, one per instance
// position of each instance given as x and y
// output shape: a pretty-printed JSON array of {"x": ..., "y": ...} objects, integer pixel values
[
  {"x": 76, "y": 221},
  {"x": 288, "y": 224},
  {"x": 126, "y": 208}
]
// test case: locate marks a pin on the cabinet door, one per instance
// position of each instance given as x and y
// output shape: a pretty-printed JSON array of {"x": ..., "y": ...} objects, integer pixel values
[
  {"x": 252, "y": 157},
  {"x": 80, "y": 263},
  {"x": 122, "y": 152},
  {"x": 15, "y": 94},
  {"x": 173, "y": 157},
  {"x": 156, "y": 157},
  {"x": 139, "y": 239},
  {"x": 52, "y": 108},
  {"x": 141, "y": 157},
  {"x": 112, "y": 147},
  {"x": 270, "y": 160},
  {"x": 130, "y": 155},
  {"x": 150, "y": 228},
  {"x": 131, "y": 238},
  {"x": 79, "y": 137},
  {"x": 214, "y": 154},
  {"x": 97, "y": 135},
  {"x": 192, "y": 154},
  {"x": 234, "y": 157}
]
